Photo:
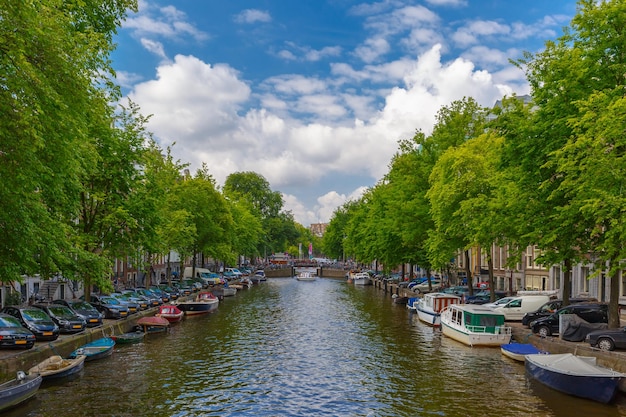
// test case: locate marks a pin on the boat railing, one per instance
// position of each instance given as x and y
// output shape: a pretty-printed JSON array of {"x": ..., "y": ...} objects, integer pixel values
[{"x": 489, "y": 329}]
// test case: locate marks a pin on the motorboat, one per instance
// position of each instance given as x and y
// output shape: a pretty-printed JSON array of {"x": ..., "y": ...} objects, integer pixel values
[
  {"x": 474, "y": 325},
  {"x": 579, "y": 376}
]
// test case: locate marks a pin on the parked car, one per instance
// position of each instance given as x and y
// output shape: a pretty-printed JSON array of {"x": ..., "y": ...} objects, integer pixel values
[
  {"x": 64, "y": 317},
  {"x": 518, "y": 306},
  {"x": 483, "y": 297},
  {"x": 142, "y": 302},
  {"x": 83, "y": 309},
  {"x": 608, "y": 339},
  {"x": 110, "y": 307},
  {"x": 590, "y": 312},
  {"x": 35, "y": 320},
  {"x": 133, "y": 305},
  {"x": 498, "y": 303},
  {"x": 153, "y": 299},
  {"x": 424, "y": 287},
  {"x": 549, "y": 308},
  {"x": 13, "y": 335}
]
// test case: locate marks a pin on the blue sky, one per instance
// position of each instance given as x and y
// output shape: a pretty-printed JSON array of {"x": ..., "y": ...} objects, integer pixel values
[{"x": 315, "y": 94}]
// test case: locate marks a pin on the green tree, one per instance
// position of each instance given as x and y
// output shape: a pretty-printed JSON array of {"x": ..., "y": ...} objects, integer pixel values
[{"x": 50, "y": 54}]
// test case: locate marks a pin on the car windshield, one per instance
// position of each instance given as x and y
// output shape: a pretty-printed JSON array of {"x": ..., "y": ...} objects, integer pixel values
[
  {"x": 82, "y": 305},
  {"x": 35, "y": 315},
  {"x": 110, "y": 300},
  {"x": 61, "y": 312},
  {"x": 9, "y": 322}
]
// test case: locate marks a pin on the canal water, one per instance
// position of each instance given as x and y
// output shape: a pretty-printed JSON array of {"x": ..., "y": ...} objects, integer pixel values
[{"x": 291, "y": 348}]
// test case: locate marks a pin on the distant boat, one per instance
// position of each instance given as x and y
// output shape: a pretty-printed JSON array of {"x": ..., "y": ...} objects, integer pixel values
[
  {"x": 56, "y": 367},
  {"x": 518, "y": 351},
  {"x": 305, "y": 276},
  {"x": 18, "y": 390},
  {"x": 429, "y": 307},
  {"x": 474, "y": 325},
  {"x": 575, "y": 375},
  {"x": 361, "y": 278},
  {"x": 97, "y": 349}
]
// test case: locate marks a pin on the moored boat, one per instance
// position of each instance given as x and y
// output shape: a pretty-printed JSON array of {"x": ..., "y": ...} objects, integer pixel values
[
  {"x": 56, "y": 367},
  {"x": 429, "y": 307},
  {"x": 19, "y": 389},
  {"x": 153, "y": 324},
  {"x": 575, "y": 375},
  {"x": 171, "y": 313},
  {"x": 97, "y": 349},
  {"x": 305, "y": 276},
  {"x": 128, "y": 338},
  {"x": 361, "y": 278},
  {"x": 518, "y": 351},
  {"x": 204, "y": 302},
  {"x": 474, "y": 325}
]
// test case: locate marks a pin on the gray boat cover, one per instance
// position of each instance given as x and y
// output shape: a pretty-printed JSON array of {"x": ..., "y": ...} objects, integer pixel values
[{"x": 576, "y": 329}]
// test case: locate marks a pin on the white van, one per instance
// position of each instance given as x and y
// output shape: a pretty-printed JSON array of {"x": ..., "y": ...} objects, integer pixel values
[{"x": 518, "y": 306}]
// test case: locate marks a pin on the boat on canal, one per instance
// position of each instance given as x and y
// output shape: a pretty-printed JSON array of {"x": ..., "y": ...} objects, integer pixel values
[
  {"x": 474, "y": 325},
  {"x": 306, "y": 276},
  {"x": 518, "y": 351},
  {"x": 429, "y": 307},
  {"x": 97, "y": 349},
  {"x": 575, "y": 375},
  {"x": 19, "y": 389},
  {"x": 153, "y": 324},
  {"x": 55, "y": 367},
  {"x": 171, "y": 313},
  {"x": 204, "y": 302},
  {"x": 361, "y": 278},
  {"x": 129, "y": 337}
]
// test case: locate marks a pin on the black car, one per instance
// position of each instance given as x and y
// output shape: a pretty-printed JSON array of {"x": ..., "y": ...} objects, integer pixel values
[
  {"x": 64, "y": 317},
  {"x": 608, "y": 339},
  {"x": 110, "y": 307},
  {"x": 590, "y": 312},
  {"x": 84, "y": 310},
  {"x": 549, "y": 308},
  {"x": 13, "y": 334},
  {"x": 35, "y": 320}
]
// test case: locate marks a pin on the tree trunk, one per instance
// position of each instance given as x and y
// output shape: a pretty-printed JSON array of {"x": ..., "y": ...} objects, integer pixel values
[
  {"x": 567, "y": 281},
  {"x": 492, "y": 282},
  {"x": 614, "y": 316},
  {"x": 468, "y": 272}
]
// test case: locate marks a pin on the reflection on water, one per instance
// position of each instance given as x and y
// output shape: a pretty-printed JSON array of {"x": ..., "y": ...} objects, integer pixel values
[{"x": 291, "y": 348}]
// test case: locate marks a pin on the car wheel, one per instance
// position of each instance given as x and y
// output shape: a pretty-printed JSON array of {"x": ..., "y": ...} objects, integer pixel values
[
  {"x": 605, "y": 344},
  {"x": 544, "y": 331}
]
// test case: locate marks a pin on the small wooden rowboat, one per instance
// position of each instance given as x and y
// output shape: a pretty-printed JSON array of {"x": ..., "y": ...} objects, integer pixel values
[
  {"x": 98, "y": 349},
  {"x": 518, "y": 351},
  {"x": 19, "y": 389},
  {"x": 171, "y": 313},
  {"x": 153, "y": 324},
  {"x": 128, "y": 338},
  {"x": 56, "y": 367}
]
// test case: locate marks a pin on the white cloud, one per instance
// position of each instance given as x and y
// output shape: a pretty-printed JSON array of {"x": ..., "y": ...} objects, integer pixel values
[
  {"x": 253, "y": 16},
  {"x": 167, "y": 22},
  {"x": 455, "y": 3},
  {"x": 154, "y": 47},
  {"x": 206, "y": 110},
  {"x": 372, "y": 49}
]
